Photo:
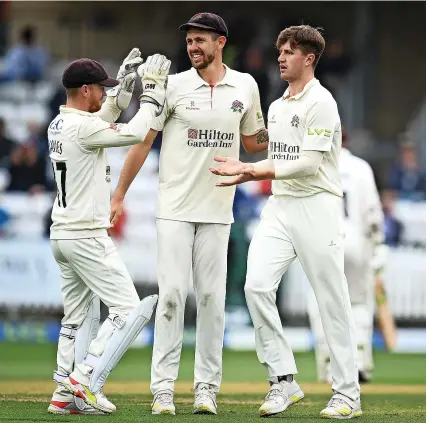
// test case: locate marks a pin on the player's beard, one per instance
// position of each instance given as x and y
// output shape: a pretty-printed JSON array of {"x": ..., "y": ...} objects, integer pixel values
[
  {"x": 208, "y": 59},
  {"x": 95, "y": 105}
]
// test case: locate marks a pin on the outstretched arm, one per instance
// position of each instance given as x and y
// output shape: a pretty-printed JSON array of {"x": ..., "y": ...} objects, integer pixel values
[
  {"x": 307, "y": 165},
  {"x": 257, "y": 142}
]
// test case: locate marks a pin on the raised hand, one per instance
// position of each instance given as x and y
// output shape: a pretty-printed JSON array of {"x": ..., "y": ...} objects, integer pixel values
[
  {"x": 154, "y": 78},
  {"x": 122, "y": 93}
]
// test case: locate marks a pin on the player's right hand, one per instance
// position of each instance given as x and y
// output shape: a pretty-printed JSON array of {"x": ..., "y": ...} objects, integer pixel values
[
  {"x": 116, "y": 210},
  {"x": 122, "y": 93},
  {"x": 154, "y": 78}
]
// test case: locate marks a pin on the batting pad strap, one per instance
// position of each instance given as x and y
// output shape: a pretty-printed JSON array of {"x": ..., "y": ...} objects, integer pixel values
[
  {"x": 120, "y": 341},
  {"x": 87, "y": 330},
  {"x": 67, "y": 332},
  {"x": 91, "y": 360},
  {"x": 117, "y": 320},
  {"x": 58, "y": 378}
]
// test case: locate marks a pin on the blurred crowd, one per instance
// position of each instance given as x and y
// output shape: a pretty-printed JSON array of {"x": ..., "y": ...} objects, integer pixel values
[{"x": 25, "y": 166}]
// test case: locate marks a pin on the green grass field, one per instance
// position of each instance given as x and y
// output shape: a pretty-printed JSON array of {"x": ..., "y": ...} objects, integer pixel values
[{"x": 397, "y": 394}]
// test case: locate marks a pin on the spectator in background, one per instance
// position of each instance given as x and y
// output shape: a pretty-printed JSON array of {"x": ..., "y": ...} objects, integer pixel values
[
  {"x": 407, "y": 179},
  {"x": 25, "y": 61},
  {"x": 58, "y": 98},
  {"x": 38, "y": 137},
  {"x": 6, "y": 145},
  {"x": 254, "y": 64},
  {"x": 4, "y": 220},
  {"x": 27, "y": 169},
  {"x": 393, "y": 228},
  {"x": 333, "y": 66}
]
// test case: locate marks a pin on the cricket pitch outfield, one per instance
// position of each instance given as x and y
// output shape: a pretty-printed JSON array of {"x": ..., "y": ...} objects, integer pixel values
[{"x": 397, "y": 395}]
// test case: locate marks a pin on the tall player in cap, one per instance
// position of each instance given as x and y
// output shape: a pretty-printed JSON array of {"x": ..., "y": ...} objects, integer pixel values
[
  {"x": 89, "y": 263},
  {"x": 209, "y": 108},
  {"x": 364, "y": 259},
  {"x": 302, "y": 218}
]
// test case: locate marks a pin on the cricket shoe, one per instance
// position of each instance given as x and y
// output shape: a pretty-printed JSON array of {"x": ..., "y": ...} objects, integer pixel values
[
  {"x": 341, "y": 407},
  {"x": 204, "y": 400},
  {"x": 96, "y": 400},
  {"x": 76, "y": 406},
  {"x": 163, "y": 403},
  {"x": 281, "y": 395}
]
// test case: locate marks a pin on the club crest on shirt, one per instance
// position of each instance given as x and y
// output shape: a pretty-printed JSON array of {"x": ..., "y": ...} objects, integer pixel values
[
  {"x": 237, "y": 106},
  {"x": 295, "y": 121}
]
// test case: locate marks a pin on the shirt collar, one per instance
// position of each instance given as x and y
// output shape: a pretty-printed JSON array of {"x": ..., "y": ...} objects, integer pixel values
[
  {"x": 229, "y": 79},
  {"x": 307, "y": 86},
  {"x": 65, "y": 109}
]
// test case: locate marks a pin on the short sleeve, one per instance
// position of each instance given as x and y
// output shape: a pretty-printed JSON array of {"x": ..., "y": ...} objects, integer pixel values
[
  {"x": 321, "y": 122},
  {"x": 253, "y": 120}
]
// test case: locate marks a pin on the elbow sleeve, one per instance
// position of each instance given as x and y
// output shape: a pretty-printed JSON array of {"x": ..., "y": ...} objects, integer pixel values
[{"x": 307, "y": 165}]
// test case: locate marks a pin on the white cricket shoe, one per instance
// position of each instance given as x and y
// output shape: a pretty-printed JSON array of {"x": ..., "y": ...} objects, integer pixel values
[
  {"x": 96, "y": 400},
  {"x": 74, "y": 406},
  {"x": 204, "y": 400},
  {"x": 163, "y": 403},
  {"x": 281, "y": 395},
  {"x": 341, "y": 407}
]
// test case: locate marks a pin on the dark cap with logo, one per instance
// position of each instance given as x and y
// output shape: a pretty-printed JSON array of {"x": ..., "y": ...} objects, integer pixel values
[
  {"x": 207, "y": 21},
  {"x": 84, "y": 72}
]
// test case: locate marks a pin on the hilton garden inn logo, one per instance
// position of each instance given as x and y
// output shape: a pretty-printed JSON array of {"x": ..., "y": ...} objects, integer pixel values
[
  {"x": 209, "y": 138},
  {"x": 283, "y": 151}
]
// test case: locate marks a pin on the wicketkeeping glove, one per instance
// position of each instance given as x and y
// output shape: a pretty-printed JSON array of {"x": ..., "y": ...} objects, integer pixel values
[
  {"x": 154, "y": 78},
  {"x": 122, "y": 93}
]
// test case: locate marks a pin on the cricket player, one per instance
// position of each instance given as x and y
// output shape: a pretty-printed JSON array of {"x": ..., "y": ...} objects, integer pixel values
[
  {"x": 364, "y": 259},
  {"x": 89, "y": 263},
  {"x": 209, "y": 108},
  {"x": 301, "y": 219}
]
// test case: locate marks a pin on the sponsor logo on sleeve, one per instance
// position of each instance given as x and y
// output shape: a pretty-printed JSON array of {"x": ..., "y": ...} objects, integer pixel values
[{"x": 317, "y": 131}]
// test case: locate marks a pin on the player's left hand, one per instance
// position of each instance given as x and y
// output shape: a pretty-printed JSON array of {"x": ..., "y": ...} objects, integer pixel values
[
  {"x": 235, "y": 181},
  {"x": 230, "y": 167},
  {"x": 122, "y": 93}
]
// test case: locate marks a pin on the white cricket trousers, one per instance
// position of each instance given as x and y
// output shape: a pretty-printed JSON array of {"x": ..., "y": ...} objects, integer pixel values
[
  {"x": 361, "y": 284},
  {"x": 200, "y": 248},
  {"x": 88, "y": 267},
  {"x": 308, "y": 228}
]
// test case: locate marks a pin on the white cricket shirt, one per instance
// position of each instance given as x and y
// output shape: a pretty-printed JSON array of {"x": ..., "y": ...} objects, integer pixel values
[
  {"x": 362, "y": 209},
  {"x": 77, "y": 142},
  {"x": 306, "y": 121},
  {"x": 200, "y": 122}
]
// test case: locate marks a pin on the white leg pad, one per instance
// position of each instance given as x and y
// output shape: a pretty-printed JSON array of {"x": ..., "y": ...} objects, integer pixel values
[
  {"x": 120, "y": 341},
  {"x": 73, "y": 342},
  {"x": 87, "y": 331}
]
